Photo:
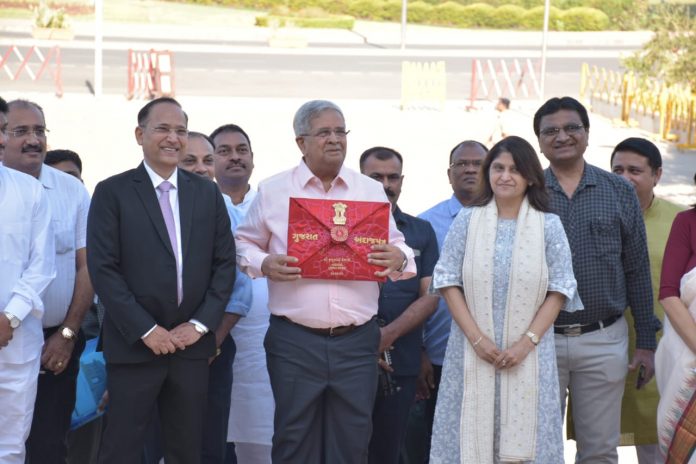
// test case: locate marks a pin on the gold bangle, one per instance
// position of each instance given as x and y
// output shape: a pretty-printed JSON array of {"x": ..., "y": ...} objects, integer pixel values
[
  {"x": 477, "y": 341},
  {"x": 217, "y": 352}
]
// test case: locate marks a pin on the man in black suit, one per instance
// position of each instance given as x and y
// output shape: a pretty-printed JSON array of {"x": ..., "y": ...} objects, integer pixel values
[{"x": 162, "y": 260}]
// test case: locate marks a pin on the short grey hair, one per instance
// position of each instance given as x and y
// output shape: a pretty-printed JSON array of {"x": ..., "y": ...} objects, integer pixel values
[{"x": 310, "y": 110}]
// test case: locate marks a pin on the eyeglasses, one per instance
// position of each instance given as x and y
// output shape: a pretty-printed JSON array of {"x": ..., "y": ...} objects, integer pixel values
[
  {"x": 326, "y": 133},
  {"x": 40, "y": 132},
  {"x": 166, "y": 130},
  {"x": 466, "y": 163},
  {"x": 569, "y": 129}
]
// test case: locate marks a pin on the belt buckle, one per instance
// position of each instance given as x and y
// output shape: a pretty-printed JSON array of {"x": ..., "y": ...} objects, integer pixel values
[
  {"x": 574, "y": 330},
  {"x": 331, "y": 331}
]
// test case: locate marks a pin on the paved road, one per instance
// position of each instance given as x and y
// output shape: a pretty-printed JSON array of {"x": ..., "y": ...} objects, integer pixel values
[{"x": 251, "y": 68}]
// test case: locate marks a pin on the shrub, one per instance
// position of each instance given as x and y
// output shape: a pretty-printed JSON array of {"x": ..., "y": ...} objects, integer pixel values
[
  {"x": 420, "y": 12},
  {"x": 534, "y": 18},
  {"x": 623, "y": 14},
  {"x": 584, "y": 19},
  {"x": 479, "y": 14},
  {"x": 334, "y": 6},
  {"x": 44, "y": 16},
  {"x": 330, "y": 22},
  {"x": 365, "y": 9},
  {"x": 392, "y": 10},
  {"x": 451, "y": 14},
  {"x": 295, "y": 5},
  {"x": 506, "y": 17}
]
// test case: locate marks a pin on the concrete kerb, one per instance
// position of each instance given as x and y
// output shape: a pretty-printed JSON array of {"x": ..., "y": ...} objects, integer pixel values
[{"x": 370, "y": 32}]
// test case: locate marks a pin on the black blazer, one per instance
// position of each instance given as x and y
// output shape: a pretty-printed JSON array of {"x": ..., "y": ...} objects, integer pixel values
[{"x": 133, "y": 267}]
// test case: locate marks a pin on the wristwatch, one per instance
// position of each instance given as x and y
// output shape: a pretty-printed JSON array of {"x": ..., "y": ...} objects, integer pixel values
[
  {"x": 404, "y": 264},
  {"x": 67, "y": 333},
  {"x": 14, "y": 320},
  {"x": 533, "y": 337},
  {"x": 199, "y": 329}
]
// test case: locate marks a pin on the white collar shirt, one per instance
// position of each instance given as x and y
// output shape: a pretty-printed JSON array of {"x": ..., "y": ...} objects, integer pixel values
[
  {"x": 69, "y": 204},
  {"x": 26, "y": 261},
  {"x": 174, "y": 202}
]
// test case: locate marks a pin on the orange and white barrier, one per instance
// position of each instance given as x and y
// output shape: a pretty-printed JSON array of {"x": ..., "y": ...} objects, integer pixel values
[
  {"x": 516, "y": 79},
  {"x": 28, "y": 61},
  {"x": 150, "y": 74}
]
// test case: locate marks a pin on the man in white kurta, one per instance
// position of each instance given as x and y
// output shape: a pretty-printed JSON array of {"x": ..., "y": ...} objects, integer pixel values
[
  {"x": 27, "y": 267},
  {"x": 69, "y": 296}
]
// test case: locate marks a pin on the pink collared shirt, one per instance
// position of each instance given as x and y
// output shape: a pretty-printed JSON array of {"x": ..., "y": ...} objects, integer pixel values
[{"x": 311, "y": 302}]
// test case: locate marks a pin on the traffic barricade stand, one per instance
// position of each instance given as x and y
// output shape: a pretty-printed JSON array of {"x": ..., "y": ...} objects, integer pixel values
[
  {"x": 150, "y": 74},
  {"x": 139, "y": 75},
  {"x": 515, "y": 78},
  {"x": 34, "y": 57},
  {"x": 163, "y": 73},
  {"x": 423, "y": 83}
]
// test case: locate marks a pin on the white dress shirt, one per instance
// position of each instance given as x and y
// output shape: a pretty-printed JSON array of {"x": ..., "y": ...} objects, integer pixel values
[
  {"x": 174, "y": 202},
  {"x": 26, "y": 261},
  {"x": 69, "y": 203}
]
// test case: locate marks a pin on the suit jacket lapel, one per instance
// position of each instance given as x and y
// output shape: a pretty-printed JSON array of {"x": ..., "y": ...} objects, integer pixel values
[
  {"x": 146, "y": 192},
  {"x": 186, "y": 204}
]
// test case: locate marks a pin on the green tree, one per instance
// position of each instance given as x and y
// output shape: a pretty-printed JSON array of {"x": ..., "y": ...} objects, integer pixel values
[{"x": 670, "y": 55}]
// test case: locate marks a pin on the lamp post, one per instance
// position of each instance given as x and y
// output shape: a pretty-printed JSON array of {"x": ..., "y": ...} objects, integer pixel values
[
  {"x": 98, "y": 49},
  {"x": 544, "y": 38}
]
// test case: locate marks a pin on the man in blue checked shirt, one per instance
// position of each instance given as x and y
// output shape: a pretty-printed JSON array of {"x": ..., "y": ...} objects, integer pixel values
[{"x": 602, "y": 218}]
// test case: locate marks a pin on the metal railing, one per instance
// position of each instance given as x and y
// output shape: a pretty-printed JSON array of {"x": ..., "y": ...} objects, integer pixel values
[{"x": 667, "y": 111}]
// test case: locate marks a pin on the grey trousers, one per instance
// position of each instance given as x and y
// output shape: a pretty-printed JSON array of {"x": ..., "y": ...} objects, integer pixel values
[
  {"x": 324, "y": 389},
  {"x": 593, "y": 368}
]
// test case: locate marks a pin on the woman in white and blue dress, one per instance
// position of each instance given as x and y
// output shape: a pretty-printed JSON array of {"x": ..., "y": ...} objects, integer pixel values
[{"x": 505, "y": 270}]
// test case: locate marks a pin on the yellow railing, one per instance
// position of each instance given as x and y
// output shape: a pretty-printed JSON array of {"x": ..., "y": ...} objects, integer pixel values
[
  {"x": 671, "y": 108},
  {"x": 423, "y": 83}
]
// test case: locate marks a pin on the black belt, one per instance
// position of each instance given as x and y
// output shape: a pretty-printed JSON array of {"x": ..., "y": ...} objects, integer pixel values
[
  {"x": 329, "y": 332},
  {"x": 575, "y": 330}
]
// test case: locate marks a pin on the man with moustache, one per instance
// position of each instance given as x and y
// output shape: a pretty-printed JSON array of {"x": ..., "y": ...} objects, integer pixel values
[
  {"x": 250, "y": 426},
  {"x": 27, "y": 266},
  {"x": 639, "y": 161},
  {"x": 322, "y": 342},
  {"x": 161, "y": 256},
  {"x": 198, "y": 158},
  {"x": 465, "y": 161},
  {"x": 602, "y": 218},
  {"x": 403, "y": 307},
  {"x": 69, "y": 296}
]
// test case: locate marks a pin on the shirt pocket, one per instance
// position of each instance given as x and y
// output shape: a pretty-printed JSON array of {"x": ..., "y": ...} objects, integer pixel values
[
  {"x": 64, "y": 237},
  {"x": 606, "y": 237},
  {"x": 14, "y": 242}
]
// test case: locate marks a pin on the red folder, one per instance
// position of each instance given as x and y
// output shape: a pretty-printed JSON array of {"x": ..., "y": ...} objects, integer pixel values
[{"x": 331, "y": 238}]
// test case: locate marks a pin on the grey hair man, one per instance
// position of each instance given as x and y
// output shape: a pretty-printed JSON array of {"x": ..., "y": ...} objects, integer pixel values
[{"x": 323, "y": 337}]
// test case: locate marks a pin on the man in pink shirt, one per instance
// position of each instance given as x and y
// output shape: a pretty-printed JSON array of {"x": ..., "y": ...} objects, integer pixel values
[{"x": 323, "y": 339}]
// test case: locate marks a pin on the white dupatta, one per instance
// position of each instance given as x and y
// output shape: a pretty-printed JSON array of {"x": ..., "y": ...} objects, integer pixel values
[{"x": 519, "y": 385}]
